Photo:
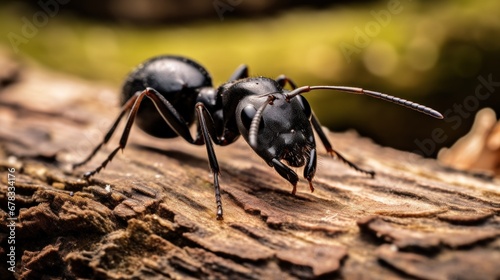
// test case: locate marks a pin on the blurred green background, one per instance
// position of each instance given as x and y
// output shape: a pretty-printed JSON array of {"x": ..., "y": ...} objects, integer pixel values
[{"x": 443, "y": 54}]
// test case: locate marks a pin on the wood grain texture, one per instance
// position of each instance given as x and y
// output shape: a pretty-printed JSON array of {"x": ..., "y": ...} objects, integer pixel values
[{"x": 156, "y": 220}]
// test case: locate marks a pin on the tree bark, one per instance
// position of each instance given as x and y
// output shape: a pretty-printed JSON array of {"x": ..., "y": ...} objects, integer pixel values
[{"x": 150, "y": 214}]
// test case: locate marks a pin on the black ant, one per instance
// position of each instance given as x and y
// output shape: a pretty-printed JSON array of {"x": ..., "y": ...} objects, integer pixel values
[{"x": 278, "y": 124}]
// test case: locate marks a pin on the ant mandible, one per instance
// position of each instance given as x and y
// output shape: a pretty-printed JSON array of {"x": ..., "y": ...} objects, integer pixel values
[{"x": 278, "y": 124}]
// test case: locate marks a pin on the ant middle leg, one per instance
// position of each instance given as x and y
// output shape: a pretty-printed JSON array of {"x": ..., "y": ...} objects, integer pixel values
[{"x": 206, "y": 130}]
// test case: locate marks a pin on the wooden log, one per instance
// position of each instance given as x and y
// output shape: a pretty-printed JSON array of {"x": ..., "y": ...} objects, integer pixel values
[{"x": 151, "y": 213}]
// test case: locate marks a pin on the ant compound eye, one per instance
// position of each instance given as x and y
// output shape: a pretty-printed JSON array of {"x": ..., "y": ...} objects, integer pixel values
[
  {"x": 247, "y": 115},
  {"x": 305, "y": 106}
]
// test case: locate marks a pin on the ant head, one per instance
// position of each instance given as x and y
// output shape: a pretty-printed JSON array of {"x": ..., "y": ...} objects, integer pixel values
[{"x": 277, "y": 128}]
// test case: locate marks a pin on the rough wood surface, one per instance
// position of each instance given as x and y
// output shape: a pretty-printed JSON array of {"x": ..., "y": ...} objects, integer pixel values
[{"x": 156, "y": 220}]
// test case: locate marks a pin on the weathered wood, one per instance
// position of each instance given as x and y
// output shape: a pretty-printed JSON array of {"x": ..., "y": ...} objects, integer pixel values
[{"x": 156, "y": 219}]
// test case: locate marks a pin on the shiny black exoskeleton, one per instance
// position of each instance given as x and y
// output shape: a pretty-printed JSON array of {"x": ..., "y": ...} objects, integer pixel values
[{"x": 278, "y": 124}]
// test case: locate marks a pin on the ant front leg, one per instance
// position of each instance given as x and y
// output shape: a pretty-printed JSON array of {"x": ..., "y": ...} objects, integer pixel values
[
  {"x": 331, "y": 151},
  {"x": 286, "y": 173},
  {"x": 310, "y": 168}
]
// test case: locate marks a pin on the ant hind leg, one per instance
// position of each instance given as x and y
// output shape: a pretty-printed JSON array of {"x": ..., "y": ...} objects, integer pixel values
[
  {"x": 133, "y": 105},
  {"x": 164, "y": 108},
  {"x": 128, "y": 105}
]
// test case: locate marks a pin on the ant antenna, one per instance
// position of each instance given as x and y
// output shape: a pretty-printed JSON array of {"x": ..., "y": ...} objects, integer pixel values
[
  {"x": 254, "y": 125},
  {"x": 400, "y": 101}
]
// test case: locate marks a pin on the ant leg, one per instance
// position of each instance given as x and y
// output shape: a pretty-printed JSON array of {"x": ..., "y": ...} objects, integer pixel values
[
  {"x": 175, "y": 121},
  {"x": 108, "y": 135},
  {"x": 169, "y": 114},
  {"x": 331, "y": 151},
  {"x": 283, "y": 80},
  {"x": 286, "y": 173},
  {"x": 208, "y": 132},
  {"x": 126, "y": 132},
  {"x": 167, "y": 111},
  {"x": 240, "y": 73},
  {"x": 310, "y": 168}
]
